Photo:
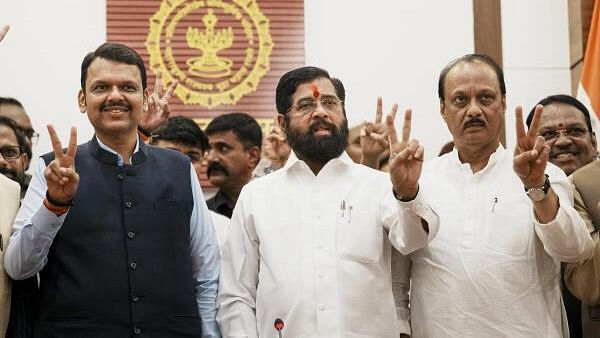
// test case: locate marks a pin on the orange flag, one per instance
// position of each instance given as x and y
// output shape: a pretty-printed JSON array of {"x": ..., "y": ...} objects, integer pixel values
[{"x": 590, "y": 74}]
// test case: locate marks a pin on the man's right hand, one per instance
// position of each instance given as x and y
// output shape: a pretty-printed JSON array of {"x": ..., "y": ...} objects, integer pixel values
[{"x": 61, "y": 178}]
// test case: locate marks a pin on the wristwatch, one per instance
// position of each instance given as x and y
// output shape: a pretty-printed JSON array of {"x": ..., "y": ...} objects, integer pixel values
[{"x": 537, "y": 194}]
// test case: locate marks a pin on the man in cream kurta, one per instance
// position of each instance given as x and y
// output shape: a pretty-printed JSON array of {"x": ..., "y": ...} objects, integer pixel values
[
  {"x": 505, "y": 221},
  {"x": 9, "y": 204},
  {"x": 311, "y": 243}
]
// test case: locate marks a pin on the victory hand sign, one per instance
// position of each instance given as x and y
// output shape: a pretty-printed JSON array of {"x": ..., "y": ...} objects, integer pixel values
[
  {"x": 406, "y": 157},
  {"x": 60, "y": 174}
]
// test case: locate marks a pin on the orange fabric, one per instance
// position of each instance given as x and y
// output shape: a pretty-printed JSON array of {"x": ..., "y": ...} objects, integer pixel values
[{"x": 590, "y": 74}]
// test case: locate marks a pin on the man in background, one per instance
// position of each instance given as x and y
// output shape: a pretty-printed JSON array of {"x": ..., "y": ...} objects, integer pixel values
[
  {"x": 234, "y": 146},
  {"x": 566, "y": 128}
]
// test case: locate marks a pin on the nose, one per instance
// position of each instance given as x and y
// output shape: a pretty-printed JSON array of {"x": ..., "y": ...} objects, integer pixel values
[
  {"x": 211, "y": 156},
  {"x": 3, "y": 161},
  {"x": 474, "y": 109},
  {"x": 562, "y": 139},
  {"x": 115, "y": 94},
  {"x": 320, "y": 111}
]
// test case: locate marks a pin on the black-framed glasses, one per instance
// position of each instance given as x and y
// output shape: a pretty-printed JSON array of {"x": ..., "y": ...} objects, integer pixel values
[
  {"x": 571, "y": 132},
  {"x": 11, "y": 152},
  {"x": 308, "y": 105},
  {"x": 32, "y": 135}
]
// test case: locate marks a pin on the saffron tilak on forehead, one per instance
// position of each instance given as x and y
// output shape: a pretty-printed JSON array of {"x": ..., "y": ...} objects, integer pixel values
[{"x": 315, "y": 91}]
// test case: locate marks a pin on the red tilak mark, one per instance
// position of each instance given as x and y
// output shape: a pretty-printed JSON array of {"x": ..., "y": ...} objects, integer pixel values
[
  {"x": 315, "y": 91},
  {"x": 278, "y": 324}
]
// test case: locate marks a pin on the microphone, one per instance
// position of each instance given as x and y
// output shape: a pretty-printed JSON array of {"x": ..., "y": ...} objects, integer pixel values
[{"x": 278, "y": 326}]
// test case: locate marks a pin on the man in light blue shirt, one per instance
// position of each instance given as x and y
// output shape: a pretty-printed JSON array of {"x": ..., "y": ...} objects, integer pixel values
[{"x": 117, "y": 229}]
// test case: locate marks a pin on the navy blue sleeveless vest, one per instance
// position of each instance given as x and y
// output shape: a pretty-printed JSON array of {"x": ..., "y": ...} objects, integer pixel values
[{"x": 120, "y": 265}]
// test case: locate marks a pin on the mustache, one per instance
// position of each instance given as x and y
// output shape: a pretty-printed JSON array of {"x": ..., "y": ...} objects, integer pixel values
[
  {"x": 322, "y": 124},
  {"x": 121, "y": 105},
  {"x": 216, "y": 167},
  {"x": 474, "y": 122}
]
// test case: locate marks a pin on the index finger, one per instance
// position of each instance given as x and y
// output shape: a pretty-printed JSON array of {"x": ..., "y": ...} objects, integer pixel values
[
  {"x": 157, "y": 84},
  {"x": 535, "y": 122},
  {"x": 379, "y": 110},
  {"x": 519, "y": 127},
  {"x": 56, "y": 145},
  {"x": 391, "y": 127}
]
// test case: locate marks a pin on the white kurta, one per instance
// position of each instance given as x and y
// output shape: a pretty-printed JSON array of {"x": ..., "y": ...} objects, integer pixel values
[
  {"x": 313, "y": 251},
  {"x": 492, "y": 270}
]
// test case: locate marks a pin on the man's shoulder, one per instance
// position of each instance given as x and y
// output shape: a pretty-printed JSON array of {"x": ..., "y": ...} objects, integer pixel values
[{"x": 592, "y": 168}]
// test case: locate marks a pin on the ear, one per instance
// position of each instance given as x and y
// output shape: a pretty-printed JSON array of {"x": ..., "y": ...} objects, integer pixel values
[
  {"x": 594, "y": 143},
  {"x": 281, "y": 122},
  {"x": 253, "y": 156},
  {"x": 81, "y": 101},
  {"x": 503, "y": 105},
  {"x": 443, "y": 110}
]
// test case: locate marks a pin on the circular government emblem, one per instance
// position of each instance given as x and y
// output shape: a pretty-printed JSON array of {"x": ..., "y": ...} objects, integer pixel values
[{"x": 217, "y": 50}]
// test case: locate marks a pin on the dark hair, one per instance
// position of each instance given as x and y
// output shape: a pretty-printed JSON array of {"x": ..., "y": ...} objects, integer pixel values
[
  {"x": 19, "y": 134},
  {"x": 242, "y": 125},
  {"x": 182, "y": 130},
  {"x": 290, "y": 81},
  {"x": 10, "y": 101},
  {"x": 114, "y": 52},
  {"x": 565, "y": 99},
  {"x": 470, "y": 58}
]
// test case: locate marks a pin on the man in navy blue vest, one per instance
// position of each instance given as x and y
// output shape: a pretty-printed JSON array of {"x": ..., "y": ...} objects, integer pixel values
[{"x": 118, "y": 230}]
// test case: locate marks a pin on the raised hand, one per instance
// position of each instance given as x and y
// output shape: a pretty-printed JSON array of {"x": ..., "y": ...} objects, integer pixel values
[
  {"x": 531, "y": 153},
  {"x": 406, "y": 157},
  {"x": 3, "y": 31},
  {"x": 158, "y": 107},
  {"x": 275, "y": 146},
  {"x": 60, "y": 174},
  {"x": 374, "y": 139}
]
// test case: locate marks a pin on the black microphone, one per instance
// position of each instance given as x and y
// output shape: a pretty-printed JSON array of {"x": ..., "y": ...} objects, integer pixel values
[{"x": 278, "y": 326}]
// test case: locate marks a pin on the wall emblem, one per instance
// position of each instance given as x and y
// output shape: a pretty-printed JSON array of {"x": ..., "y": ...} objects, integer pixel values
[{"x": 217, "y": 50}]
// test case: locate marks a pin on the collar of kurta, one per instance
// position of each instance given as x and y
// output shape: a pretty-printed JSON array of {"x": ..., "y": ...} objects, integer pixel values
[
  {"x": 495, "y": 157},
  {"x": 294, "y": 161},
  {"x": 111, "y": 157}
]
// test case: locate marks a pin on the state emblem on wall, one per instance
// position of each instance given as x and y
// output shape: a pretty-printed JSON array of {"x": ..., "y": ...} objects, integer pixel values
[{"x": 218, "y": 51}]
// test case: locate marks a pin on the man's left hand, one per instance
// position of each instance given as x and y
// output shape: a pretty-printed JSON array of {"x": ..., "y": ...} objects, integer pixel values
[{"x": 531, "y": 152}]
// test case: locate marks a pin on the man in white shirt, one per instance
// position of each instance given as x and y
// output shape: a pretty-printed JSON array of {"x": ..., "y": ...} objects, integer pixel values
[
  {"x": 308, "y": 243},
  {"x": 9, "y": 204},
  {"x": 505, "y": 222}
]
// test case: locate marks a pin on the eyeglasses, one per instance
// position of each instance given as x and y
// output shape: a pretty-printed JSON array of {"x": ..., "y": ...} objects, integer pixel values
[
  {"x": 32, "y": 135},
  {"x": 571, "y": 132},
  {"x": 11, "y": 152},
  {"x": 309, "y": 105}
]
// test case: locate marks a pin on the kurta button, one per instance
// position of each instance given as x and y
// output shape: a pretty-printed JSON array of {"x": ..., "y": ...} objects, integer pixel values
[
  {"x": 133, "y": 265},
  {"x": 131, "y": 234},
  {"x": 137, "y": 330},
  {"x": 129, "y": 204},
  {"x": 121, "y": 176},
  {"x": 134, "y": 298}
]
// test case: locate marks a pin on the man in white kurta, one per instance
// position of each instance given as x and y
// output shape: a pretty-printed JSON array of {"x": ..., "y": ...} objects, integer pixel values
[
  {"x": 308, "y": 243},
  {"x": 505, "y": 221}
]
